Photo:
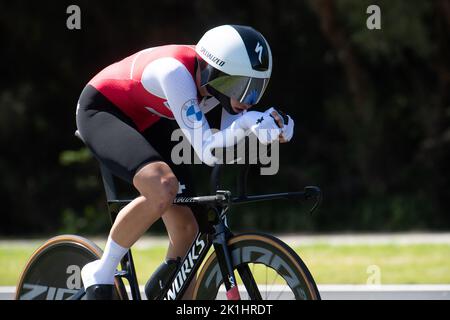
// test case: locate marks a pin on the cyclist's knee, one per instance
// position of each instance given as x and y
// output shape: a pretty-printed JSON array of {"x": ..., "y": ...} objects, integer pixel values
[
  {"x": 169, "y": 187},
  {"x": 157, "y": 183}
]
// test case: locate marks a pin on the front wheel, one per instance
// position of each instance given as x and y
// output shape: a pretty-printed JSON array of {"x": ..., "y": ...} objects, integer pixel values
[
  {"x": 54, "y": 270},
  {"x": 265, "y": 268}
]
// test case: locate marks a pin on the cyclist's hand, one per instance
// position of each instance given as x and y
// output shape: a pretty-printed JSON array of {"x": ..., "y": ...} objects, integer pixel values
[
  {"x": 288, "y": 130},
  {"x": 265, "y": 127},
  {"x": 284, "y": 122}
]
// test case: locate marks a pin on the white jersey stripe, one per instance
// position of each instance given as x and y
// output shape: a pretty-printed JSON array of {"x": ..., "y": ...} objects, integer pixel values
[{"x": 135, "y": 58}]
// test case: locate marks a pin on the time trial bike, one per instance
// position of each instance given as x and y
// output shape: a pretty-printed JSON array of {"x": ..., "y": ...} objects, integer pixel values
[{"x": 224, "y": 265}]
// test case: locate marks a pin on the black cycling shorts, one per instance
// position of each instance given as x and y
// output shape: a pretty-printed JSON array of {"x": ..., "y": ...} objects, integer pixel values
[{"x": 115, "y": 141}]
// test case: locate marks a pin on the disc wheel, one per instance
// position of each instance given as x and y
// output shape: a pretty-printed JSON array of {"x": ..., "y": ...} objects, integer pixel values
[{"x": 54, "y": 270}]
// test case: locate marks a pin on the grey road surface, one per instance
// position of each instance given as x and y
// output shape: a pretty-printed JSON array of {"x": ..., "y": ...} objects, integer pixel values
[
  {"x": 333, "y": 292},
  {"x": 336, "y": 292}
]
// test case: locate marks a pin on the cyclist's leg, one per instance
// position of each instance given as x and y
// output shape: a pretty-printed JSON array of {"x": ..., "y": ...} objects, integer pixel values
[
  {"x": 179, "y": 221},
  {"x": 158, "y": 186},
  {"x": 116, "y": 143},
  {"x": 181, "y": 227}
]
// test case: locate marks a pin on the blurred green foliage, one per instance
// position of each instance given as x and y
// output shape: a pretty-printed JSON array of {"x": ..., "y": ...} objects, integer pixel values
[{"x": 371, "y": 108}]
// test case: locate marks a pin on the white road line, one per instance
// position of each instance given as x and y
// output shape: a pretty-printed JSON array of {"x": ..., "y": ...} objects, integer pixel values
[{"x": 338, "y": 292}]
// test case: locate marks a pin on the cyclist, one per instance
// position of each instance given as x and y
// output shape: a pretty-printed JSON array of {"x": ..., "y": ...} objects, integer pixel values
[{"x": 126, "y": 115}]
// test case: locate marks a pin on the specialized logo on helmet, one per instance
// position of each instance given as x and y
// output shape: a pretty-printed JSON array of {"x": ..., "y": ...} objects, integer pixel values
[
  {"x": 259, "y": 49},
  {"x": 192, "y": 115},
  {"x": 211, "y": 57}
]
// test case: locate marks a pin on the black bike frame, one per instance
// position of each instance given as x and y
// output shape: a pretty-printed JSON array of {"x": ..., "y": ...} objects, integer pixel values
[
  {"x": 213, "y": 231},
  {"x": 217, "y": 236}
]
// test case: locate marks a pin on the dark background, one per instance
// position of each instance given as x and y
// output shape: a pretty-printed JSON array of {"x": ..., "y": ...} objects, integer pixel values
[{"x": 371, "y": 108}]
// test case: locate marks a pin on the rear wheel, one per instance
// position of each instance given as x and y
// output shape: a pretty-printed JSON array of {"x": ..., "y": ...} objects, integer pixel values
[
  {"x": 54, "y": 270},
  {"x": 265, "y": 269}
]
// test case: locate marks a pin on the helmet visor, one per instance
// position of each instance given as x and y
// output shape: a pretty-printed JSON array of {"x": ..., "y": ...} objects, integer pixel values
[{"x": 244, "y": 89}]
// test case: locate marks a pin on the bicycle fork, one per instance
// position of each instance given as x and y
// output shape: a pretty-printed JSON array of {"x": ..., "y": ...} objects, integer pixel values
[{"x": 225, "y": 261}]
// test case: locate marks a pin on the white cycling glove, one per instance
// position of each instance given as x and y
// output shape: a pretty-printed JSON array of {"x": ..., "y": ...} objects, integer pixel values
[
  {"x": 261, "y": 124},
  {"x": 288, "y": 129}
]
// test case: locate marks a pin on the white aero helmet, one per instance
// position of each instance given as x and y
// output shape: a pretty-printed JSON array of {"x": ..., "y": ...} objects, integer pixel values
[{"x": 236, "y": 62}]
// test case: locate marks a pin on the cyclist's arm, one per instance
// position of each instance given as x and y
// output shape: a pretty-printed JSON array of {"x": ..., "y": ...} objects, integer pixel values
[
  {"x": 180, "y": 91},
  {"x": 227, "y": 119}
]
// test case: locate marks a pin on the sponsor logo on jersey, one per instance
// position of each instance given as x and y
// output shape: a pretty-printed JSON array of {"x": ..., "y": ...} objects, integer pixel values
[{"x": 192, "y": 115}]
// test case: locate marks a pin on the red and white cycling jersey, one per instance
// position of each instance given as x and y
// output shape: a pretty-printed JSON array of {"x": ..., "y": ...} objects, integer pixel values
[
  {"x": 160, "y": 82},
  {"x": 132, "y": 84}
]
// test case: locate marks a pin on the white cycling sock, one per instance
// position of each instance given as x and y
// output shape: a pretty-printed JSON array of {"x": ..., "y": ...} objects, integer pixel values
[{"x": 102, "y": 271}]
